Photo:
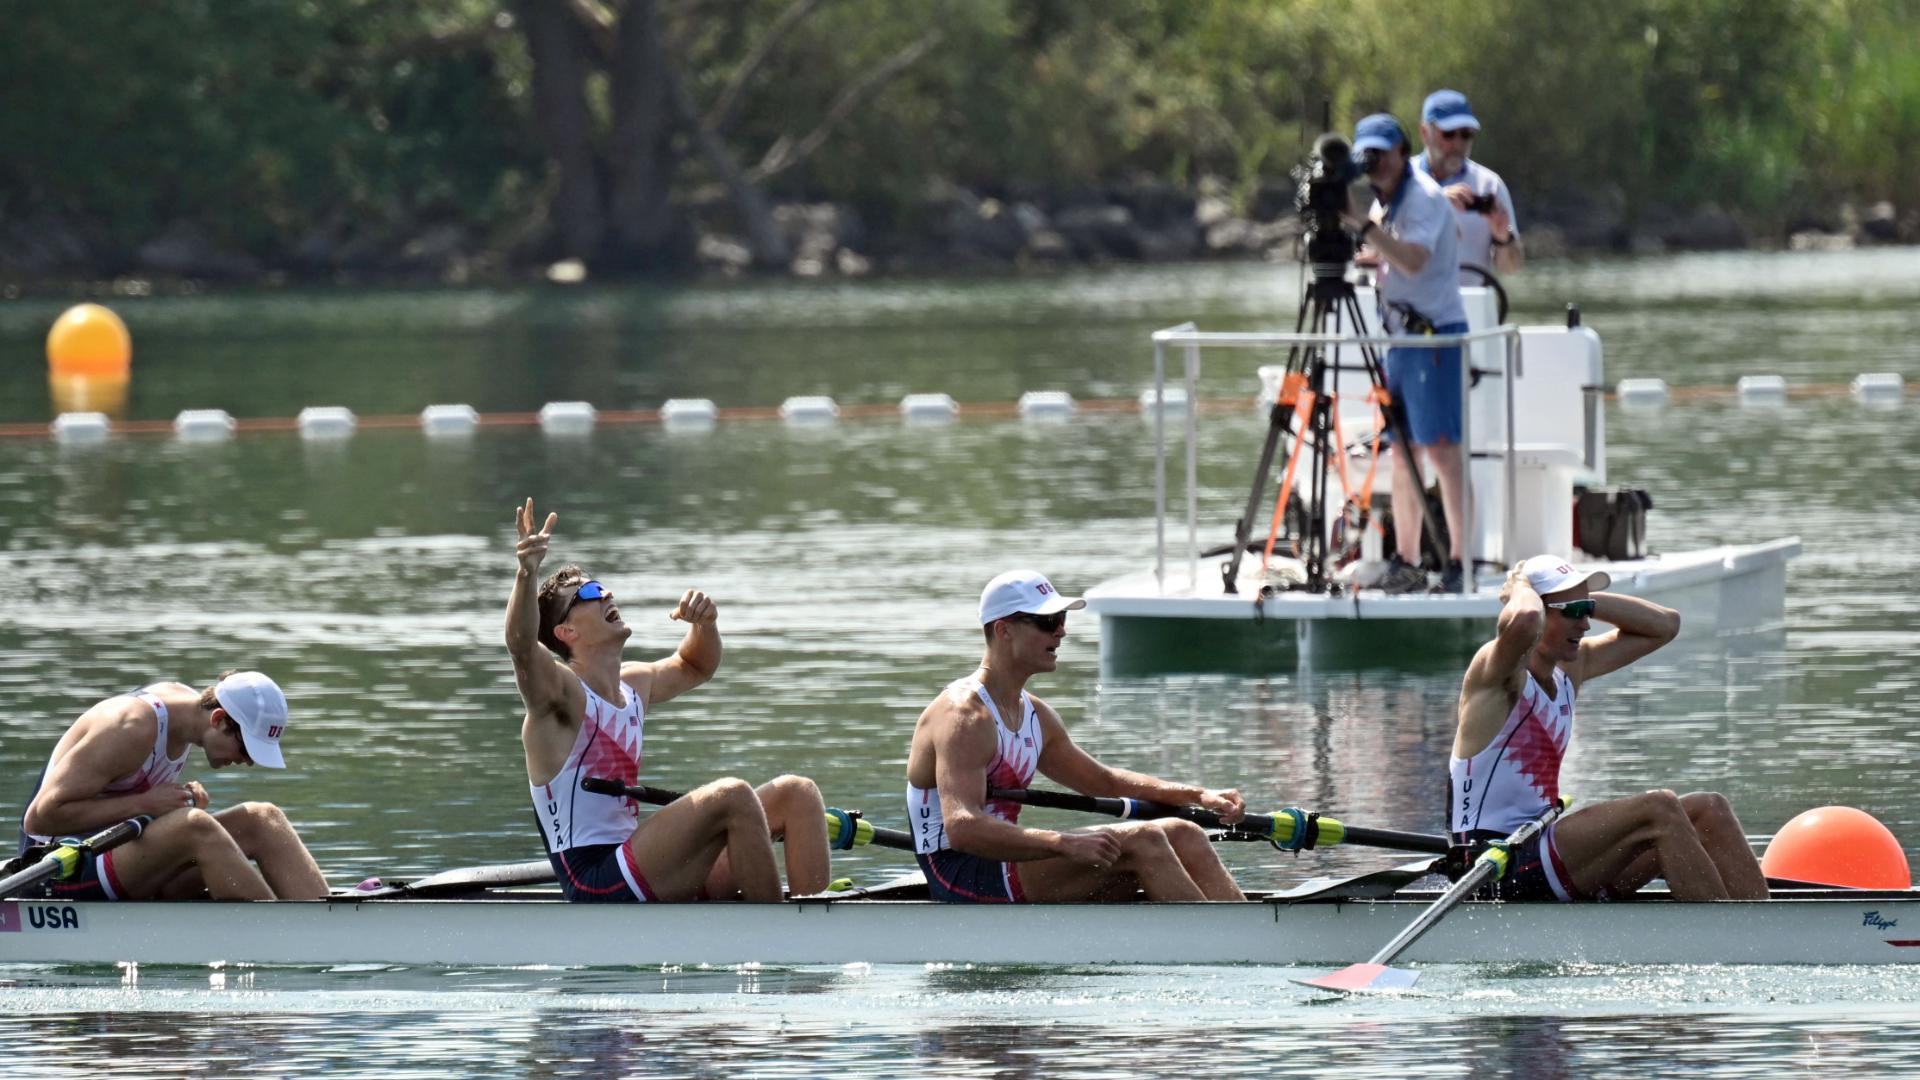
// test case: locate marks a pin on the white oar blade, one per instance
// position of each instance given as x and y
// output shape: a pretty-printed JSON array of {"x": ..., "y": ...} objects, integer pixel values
[{"x": 1364, "y": 979}]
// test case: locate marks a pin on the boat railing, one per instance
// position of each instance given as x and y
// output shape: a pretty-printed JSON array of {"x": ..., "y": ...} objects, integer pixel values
[{"x": 1190, "y": 340}]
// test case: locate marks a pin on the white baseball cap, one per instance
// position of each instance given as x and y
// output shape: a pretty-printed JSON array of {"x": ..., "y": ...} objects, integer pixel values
[
  {"x": 1023, "y": 590},
  {"x": 1551, "y": 574},
  {"x": 260, "y": 709}
]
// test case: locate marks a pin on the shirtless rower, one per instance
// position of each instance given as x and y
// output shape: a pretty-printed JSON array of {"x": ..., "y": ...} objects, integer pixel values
[
  {"x": 1515, "y": 720},
  {"x": 987, "y": 730},
  {"x": 586, "y": 714},
  {"x": 123, "y": 758}
]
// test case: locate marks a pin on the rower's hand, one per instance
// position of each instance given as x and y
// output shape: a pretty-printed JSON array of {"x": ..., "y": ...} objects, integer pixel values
[
  {"x": 198, "y": 793},
  {"x": 697, "y": 608},
  {"x": 1227, "y": 803},
  {"x": 1097, "y": 848},
  {"x": 166, "y": 798},
  {"x": 532, "y": 548}
]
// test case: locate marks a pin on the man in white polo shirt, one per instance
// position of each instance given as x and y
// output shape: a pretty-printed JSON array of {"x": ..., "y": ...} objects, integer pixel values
[
  {"x": 986, "y": 731},
  {"x": 1489, "y": 229}
]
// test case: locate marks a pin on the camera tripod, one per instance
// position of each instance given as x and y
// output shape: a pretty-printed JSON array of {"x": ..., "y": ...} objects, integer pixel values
[{"x": 1328, "y": 301}]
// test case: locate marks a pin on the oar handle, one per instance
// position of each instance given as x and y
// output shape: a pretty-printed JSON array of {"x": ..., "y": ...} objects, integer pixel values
[
  {"x": 845, "y": 828},
  {"x": 63, "y": 861},
  {"x": 1291, "y": 828}
]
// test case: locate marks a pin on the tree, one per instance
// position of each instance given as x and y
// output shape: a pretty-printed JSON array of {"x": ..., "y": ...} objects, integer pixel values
[{"x": 616, "y": 174}]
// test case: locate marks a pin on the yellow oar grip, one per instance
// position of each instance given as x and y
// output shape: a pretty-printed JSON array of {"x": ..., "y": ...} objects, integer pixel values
[{"x": 846, "y": 831}]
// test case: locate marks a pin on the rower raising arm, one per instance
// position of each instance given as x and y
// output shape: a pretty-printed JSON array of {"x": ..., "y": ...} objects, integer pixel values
[
  {"x": 586, "y": 714},
  {"x": 552, "y": 694},
  {"x": 1516, "y": 716}
]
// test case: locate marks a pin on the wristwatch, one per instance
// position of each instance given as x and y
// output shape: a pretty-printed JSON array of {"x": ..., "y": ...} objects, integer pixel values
[
  {"x": 1501, "y": 243},
  {"x": 1371, "y": 224}
]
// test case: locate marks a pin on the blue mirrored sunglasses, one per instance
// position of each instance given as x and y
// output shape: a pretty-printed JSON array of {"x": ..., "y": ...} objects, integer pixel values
[{"x": 591, "y": 590}]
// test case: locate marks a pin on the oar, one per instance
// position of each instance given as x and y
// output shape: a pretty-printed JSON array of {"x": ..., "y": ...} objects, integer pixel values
[
  {"x": 1291, "y": 828},
  {"x": 845, "y": 828},
  {"x": 1375, "y": 974},
  {"x": 64, "y": 860}
]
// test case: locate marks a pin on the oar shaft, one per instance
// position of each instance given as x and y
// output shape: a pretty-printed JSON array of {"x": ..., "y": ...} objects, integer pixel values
[
  {"x": 1282, "y": 828},
  {"x": 1488, "y": 864},
  {"x": 864, "y": 832},
  {"x": 64, "y": 860}
]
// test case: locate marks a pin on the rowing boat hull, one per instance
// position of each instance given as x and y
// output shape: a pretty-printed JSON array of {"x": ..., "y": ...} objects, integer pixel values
[{"x": 1838, "y": 928}]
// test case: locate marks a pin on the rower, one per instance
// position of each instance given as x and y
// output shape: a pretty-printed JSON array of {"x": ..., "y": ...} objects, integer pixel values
[
  {"x": 987, "y": 730},
  {"x": 586, "y": 714},
  {"x": 1515, "y": 721},
  {"x": 123, "y": 758}
]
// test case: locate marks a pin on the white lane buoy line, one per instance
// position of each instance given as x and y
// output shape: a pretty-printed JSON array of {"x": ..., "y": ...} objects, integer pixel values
[
  {"x": 1879, "y": 389},
  {"x": 325, "y": 422}
]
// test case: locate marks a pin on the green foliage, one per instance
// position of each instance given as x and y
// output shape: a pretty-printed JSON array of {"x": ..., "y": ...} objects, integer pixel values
[{"x": 264, "y": 120}]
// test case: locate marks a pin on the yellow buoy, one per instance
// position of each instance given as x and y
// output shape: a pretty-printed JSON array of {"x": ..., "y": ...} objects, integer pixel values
[{"x": 89, "y": 342}]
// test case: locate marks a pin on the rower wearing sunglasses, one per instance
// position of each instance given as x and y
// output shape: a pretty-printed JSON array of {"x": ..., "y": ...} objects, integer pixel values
[
  {"x": 986, "y": 731},
  {"x": 1515, "y": 721},
  {"x": 586, "y": 715}
]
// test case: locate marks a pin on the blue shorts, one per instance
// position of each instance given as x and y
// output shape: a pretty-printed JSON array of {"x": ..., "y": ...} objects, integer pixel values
[
  {"x": 1426, "y": 385},
  {"x": 1536, "y": 872},
  {"x": 95, "y": 880},
  {"x": 957, "y": 878},
  {"x": 600, "y": 874}
]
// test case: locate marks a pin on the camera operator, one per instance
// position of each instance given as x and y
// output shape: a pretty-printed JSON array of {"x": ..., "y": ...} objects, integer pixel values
[
  {"x": 1481, "y": 202},
  {"x": 1411, "y": 229}
]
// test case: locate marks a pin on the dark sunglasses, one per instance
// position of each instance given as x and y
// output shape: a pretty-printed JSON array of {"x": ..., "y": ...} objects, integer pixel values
[
  {"x": 1047, "y": 624},
  {"x": 1574, "y": 609},
  {"x": 1463, "y": 133},
  {"x": 591, "y": 590}
]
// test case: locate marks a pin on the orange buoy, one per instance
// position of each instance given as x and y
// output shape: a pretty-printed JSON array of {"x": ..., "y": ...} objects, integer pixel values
[
  {"x": 1838, "y": 845},
  {"x": 89, "y": 342}
]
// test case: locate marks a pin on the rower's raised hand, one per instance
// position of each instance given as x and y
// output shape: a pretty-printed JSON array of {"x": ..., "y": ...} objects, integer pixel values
[
  {"x": 532, "y": 547},
  {"x": 1226, "y": 802},
  {"x": 695, "y": 607}
]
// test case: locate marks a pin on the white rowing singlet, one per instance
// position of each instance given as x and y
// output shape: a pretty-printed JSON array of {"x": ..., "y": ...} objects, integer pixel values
[
  {"x": 1517, "y": 777},
  {"x": 608, "y": 745},
  {"x": 156, "y": 770},
  {"x": 1013, "y": 766}
]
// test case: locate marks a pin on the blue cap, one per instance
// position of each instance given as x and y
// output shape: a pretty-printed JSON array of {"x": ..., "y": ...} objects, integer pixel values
[
  {"x": 1378, "y": 132},
  {"x": 1447, "y": 110}
]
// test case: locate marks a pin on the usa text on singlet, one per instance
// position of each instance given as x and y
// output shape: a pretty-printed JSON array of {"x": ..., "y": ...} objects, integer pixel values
[
  {"x": 608, "y": 745},
  {"x": 1517, "y": 776},
  {"x": 1014, "y": 762}
]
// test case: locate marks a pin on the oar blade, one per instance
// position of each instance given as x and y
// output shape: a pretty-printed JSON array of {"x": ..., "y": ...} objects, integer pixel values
[{"x": 1364, "y": 979}]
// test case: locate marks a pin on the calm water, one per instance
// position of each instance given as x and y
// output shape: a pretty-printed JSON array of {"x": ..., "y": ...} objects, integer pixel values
[{"x": 369, "y": 576}]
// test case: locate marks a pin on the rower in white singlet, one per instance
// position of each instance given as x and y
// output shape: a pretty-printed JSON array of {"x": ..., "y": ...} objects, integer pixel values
[
  {"x": 586, "y": 833},
  {"x": 1515, "y": 779},
  {"x": 586, "y": 713},
  {"x": 123, "y": 757},
  {"x": 986, "y": 731},
  {"x": 953, "y": 875},
  {"x": 1513, "y": 735}
]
